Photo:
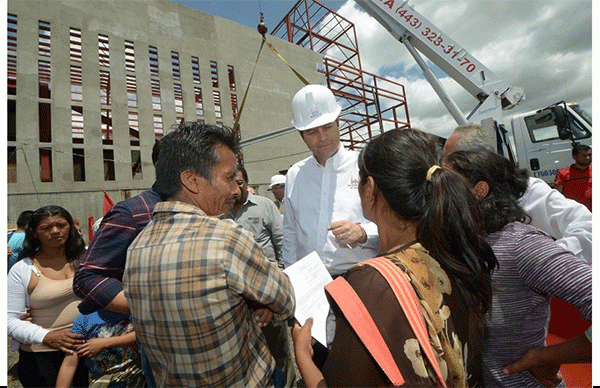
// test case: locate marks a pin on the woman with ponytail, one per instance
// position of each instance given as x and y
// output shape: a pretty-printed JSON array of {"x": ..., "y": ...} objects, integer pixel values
[{"x": 429, "y": 228}]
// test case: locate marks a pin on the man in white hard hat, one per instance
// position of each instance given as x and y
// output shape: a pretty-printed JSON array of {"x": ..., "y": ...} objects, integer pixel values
[
  {"x": 322, "y": 205},
  {"x": 277, "y": 187}
]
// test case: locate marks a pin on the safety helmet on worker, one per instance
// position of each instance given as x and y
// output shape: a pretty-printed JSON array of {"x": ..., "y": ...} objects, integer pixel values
[
  {"x": 314, "y": 106},
  {"x": 277, "y": 180}
]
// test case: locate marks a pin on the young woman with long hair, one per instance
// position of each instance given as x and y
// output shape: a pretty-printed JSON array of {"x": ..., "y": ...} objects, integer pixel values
[{"x": 42, "y": 281}]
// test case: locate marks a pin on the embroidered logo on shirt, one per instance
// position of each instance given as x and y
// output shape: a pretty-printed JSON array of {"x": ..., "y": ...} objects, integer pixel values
[{"x": 353, "y": 182}]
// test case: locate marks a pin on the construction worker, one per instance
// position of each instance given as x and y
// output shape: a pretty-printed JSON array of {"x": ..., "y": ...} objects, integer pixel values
[
  {"x": 277, "y": 187},
  {"x": 322, "y": 206}
]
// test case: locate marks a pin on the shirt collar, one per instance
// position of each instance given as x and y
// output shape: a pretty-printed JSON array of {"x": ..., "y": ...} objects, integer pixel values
[
  {"x": 177, "y": 207},
  {"x": 574, "y": 166},
  {"x": 250, "y": 200},
  {"x": 335, "y": 160}
]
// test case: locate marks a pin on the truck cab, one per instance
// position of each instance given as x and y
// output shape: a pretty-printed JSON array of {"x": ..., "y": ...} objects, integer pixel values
[
  {"x": 540, "y": 141},
  {"x": 543, "y": 139}
]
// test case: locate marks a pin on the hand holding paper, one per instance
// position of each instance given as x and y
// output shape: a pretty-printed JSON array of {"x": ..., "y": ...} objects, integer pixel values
[{"x": 309, "y": 277}]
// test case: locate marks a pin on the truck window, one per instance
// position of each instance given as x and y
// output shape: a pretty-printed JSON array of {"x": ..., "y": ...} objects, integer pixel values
[
  {"x": 582, "y": 112},
  {"x": 579, "y": 131},
  {"x": 547, "y": 130}
]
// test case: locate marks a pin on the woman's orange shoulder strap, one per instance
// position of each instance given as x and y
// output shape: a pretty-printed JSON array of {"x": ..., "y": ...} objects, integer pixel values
[{"x": 364, "y": 326}]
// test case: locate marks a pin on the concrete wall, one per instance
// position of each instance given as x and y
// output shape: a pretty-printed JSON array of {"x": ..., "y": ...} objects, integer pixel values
[{"x": 169, "y": 27}]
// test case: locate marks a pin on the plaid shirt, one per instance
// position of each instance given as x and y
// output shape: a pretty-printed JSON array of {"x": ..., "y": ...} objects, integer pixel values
[
  {"x": 98, "y": 279},
  {"x": 189, "y": 279}
]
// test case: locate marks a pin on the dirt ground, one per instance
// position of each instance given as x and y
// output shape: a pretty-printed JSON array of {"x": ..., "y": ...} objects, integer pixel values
[{"x": 12, "y": 358}]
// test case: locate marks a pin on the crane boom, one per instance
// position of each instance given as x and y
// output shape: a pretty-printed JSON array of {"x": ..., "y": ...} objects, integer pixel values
[{"x": 413, "y": 29}]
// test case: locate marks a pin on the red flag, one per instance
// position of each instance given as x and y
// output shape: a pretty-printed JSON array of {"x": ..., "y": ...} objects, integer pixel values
[
  {"x": 90, "y": 228},
  {"x": 108, "y": 203}
]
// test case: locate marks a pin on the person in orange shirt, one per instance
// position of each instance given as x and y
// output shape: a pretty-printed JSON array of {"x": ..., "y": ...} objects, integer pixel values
[{"x": 575, "y": 181}]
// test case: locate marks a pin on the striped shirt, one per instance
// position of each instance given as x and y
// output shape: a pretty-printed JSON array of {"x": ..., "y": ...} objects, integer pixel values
[
  {"x": 98, "y": 279},
  {"x": 189, "y": 279},
  {"x": 532, "y": 270}
]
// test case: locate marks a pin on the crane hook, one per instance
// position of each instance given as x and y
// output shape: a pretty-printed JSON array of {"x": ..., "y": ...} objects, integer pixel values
[{"x": 262, "y": 27}]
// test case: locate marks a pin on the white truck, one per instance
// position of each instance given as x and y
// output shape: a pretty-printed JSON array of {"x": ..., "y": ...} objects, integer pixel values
[{"x": 540, "y": 141}]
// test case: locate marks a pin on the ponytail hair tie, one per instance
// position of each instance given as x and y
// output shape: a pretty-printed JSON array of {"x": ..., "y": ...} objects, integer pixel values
[{"x": 431, "y": 170}]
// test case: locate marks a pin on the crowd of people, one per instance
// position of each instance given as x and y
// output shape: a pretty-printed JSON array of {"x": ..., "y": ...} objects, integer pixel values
[{"x": 183, "y": 284}]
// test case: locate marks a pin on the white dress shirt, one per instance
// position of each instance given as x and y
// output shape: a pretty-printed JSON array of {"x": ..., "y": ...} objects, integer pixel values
[
  {"x": 316, "y": 196},
  {"x": 568, "y": 221}
]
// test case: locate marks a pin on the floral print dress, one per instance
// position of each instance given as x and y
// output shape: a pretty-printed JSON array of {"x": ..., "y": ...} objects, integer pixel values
[{"x": 455, "y": 331}]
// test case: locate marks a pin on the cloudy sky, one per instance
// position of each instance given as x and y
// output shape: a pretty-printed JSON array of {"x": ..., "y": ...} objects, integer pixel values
[{"x": 543, "y": 46}]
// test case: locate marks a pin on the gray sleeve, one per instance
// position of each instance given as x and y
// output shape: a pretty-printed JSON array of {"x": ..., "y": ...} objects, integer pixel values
[{"x": 276, "y": 225}]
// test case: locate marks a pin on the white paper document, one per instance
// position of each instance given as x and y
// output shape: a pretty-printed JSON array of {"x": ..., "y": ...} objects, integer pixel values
[{"x": 309, "y": 277}]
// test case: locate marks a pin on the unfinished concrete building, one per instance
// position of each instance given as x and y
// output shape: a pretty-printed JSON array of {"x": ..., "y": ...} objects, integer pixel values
[{"x": 91, "y": 85}]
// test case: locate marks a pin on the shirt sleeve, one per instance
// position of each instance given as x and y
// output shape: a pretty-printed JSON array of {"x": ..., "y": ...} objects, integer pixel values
[
  {"x": 80, "y": 325},
  {"x": 568, "y": 221},
  {"x": 290, "y": 248},
  {"x": 98, "y": 279},
  {"x": 257, "y": 279},
  {"x": 550, "y": 270},
  {"x": 276, "y": 225},
  {"x": 560, "y": 178},
  {"x": 372, "y": 236},
  {"x": 24, "y": 332}
]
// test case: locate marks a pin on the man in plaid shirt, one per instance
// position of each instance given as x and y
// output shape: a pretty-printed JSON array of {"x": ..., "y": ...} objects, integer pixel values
[{"x": 198, "y": 285}]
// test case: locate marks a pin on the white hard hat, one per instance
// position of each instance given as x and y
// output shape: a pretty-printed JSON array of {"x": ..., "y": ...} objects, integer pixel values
[
  {"x": 277, "y": 180},
  {"x": 313, "y": 106}
]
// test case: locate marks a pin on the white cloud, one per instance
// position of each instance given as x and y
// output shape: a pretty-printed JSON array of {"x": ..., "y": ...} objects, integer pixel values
[
  {"x": 542, "y": 46},
  {"x": 377, "y": 47}
]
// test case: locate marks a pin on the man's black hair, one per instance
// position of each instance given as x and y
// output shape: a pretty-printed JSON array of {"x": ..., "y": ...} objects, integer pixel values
[
  {"x": 24, "y": 218},
  {"x": 191, "y": 146},
  {"x": 244, "y": 172},
  {"x": 580, "y": 147}
]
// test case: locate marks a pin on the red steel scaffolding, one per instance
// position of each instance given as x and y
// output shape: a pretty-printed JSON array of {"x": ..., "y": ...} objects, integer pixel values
[{"x": 370, "y": 103}]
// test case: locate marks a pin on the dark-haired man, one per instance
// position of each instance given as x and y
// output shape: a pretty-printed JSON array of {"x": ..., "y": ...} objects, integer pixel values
[
  {"x": 98, "y": 279},
  {"x": 260, "y": 216},
  {"x": 198, "y": 285},
  {"x": 575, "y": 181}
]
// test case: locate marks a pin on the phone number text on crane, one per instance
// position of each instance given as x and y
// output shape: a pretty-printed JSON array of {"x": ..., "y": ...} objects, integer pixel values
[{"x": 434, "y": 37}]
